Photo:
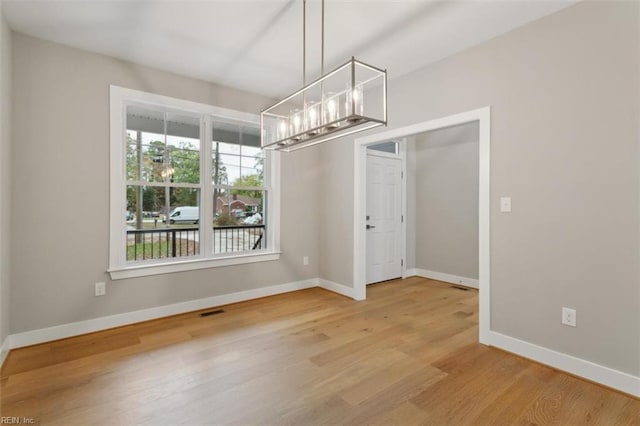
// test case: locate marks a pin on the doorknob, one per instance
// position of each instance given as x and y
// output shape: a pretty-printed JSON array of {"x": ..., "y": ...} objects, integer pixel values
[{"x": 370, "y": 226}]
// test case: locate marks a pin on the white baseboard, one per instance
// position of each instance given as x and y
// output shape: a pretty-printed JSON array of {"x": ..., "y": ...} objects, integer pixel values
[
  {"x": 89, "y": 326},
  {"x": 441, "y": 276},
  {"x": 337, "y": 288},
  {"x": 410, "y": 272},
  {"x": 606, "y": 376},
  {"x": 4, "y": 349}
]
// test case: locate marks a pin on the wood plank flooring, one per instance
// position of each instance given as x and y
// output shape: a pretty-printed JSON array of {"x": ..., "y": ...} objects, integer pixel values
[{"x": 407, "y": 355}]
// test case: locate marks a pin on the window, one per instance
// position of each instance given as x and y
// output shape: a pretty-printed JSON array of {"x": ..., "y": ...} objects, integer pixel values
[
  {"x": 190, "y": 187},
  {"x": 389, "y": 147}
]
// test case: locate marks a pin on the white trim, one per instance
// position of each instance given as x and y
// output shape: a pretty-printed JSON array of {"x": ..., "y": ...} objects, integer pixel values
[
  {"x": 483, "y": 116},
  {"x": 116, "y": 169},
  {"x": 586, "y": 369},
  {"x": 119, "y": 268},
  {"x": 4, "y": 349},
  {"x": 97, "y": 324},
  {"x": 125, "y": 94},
  {"x": 206, "y": 202},
  {"x": 143, "y": 270},
  {"x": 402, "y": 149},
  {"x": 336, "y": 288},
  {"x": 272, "y": 164},
  {"x": 484, "y": 221},
  {"x": 359, "y": 221},
  {"x": 384, "y": 154},
  {"x": 447, "y": 278}
]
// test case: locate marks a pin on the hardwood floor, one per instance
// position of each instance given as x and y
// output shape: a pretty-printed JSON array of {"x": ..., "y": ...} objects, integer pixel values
[{"x": 408, "y": 355}]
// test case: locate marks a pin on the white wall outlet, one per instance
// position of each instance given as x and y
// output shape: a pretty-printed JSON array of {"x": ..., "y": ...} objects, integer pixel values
[
  {"x": 569, "y": 317},
  {"x": 101, "y": 289},
  {"x": 305, "y": 260},
  {"x": 505, "y": 204}
]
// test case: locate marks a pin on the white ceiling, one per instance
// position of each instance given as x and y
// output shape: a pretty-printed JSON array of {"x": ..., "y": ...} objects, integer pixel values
[{"x": 256, "y": 45}]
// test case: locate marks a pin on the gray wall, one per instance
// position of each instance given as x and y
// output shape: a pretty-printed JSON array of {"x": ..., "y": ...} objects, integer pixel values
[
  {"x": 5, "y": 174},
  {"x": 336, "y": 211},
  {"x": 564, "y": 145},
  {"x": 446, "y": 201},
  {"x": 60, "y": 197}
]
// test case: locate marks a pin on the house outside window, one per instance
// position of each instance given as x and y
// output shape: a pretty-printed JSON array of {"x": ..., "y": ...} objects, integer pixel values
[{"x": 190, "y": 186}]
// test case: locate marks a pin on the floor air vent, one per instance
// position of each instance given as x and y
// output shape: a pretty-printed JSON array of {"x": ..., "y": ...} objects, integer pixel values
[
  {"x": 216, "y": 312},
  {"x": 460, "y": 288}
]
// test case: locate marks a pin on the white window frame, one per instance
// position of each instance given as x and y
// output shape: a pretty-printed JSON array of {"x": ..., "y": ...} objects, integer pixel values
[{"x": 119, "y": 268}]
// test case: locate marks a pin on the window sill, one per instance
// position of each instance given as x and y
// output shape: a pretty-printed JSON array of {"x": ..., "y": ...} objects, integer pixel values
[{"x": 144, "y": 270}]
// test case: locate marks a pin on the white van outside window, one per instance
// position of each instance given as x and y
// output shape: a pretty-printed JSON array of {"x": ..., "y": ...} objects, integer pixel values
[{"x": 187, "y": 214}]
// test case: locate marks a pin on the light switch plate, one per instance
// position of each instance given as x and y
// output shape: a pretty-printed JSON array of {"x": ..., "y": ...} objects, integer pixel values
[
  {"x": 505, "y": 204},
  {"x": 100, "y": 289}
]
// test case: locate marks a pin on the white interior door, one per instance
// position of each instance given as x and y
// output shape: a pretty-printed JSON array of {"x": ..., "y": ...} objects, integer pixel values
[{"x": 384, "y": 217}]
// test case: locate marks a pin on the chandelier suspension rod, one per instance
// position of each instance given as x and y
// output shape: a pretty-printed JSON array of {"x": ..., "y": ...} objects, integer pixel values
[
  {"x": 322, "y": 44},
  {"x": 304, "y": 42}
]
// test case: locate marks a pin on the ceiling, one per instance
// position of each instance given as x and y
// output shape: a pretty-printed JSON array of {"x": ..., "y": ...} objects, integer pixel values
[{"x": 256, "y": 45}]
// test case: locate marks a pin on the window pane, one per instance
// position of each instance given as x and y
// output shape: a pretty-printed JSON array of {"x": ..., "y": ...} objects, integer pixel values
[
  {"x": 390, "y": 147},
  {"x": 237, "y": 158},
  {"x": 250, "y": 177},
  {"x": 145, "y": 144},
  {"x": 162, "y": 146},
  {"x": 133, "y": 156},
  {"x": 154, "y": 164},
  {"x": 250, "y": 151},
  {"x": 148, "y": 234},
  {"x": 149, "y": 199},
  {"x": 238, "y": 170},
  {"x": 183, "y": 147},
  {"x": 145, "y": 156},
  {"x": 218, "y": 169},
  {"x": 185, "y": 163},
  {"x": 240, "y": 222},
  {"x": 228, "y": 148},
  {"x": 231, "y": 164}
]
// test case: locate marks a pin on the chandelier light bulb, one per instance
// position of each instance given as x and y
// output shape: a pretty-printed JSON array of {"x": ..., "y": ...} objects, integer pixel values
[
  {"x": 332, "y": 113},
  {"x": 282, "y": 129},
  {"x": 312, "y": 120}
]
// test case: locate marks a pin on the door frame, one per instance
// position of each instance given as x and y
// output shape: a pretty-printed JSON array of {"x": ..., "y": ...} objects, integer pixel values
[
  {"x": 483, "y": 117},
  {"x": 402, "y": 156}
]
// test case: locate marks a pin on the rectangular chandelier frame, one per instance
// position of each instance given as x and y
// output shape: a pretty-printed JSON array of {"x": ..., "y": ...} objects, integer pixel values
[{"x": 330, "y": 107}]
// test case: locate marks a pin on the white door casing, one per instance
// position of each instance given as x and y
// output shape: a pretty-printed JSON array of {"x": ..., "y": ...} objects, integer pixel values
[
  {"x": 483, "y": 116},
  {"x": 384, "y": 217}
]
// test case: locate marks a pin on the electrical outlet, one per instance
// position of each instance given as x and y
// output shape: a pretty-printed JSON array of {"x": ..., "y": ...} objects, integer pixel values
[
  {"x": 101, "y": 289},
  {"x": 569, "y": 317},
  {"x": 305, "y": 260}
]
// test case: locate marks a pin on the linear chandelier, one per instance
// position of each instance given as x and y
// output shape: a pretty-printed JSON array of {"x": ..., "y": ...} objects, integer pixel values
[{"x": 327, "y": 108}]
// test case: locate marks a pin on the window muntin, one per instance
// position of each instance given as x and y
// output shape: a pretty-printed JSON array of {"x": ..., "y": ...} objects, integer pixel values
[{"x": 152, "y": 138}]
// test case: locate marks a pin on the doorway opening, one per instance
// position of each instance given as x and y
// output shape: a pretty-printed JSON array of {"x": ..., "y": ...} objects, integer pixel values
[{"x": 483, "y": 117}]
